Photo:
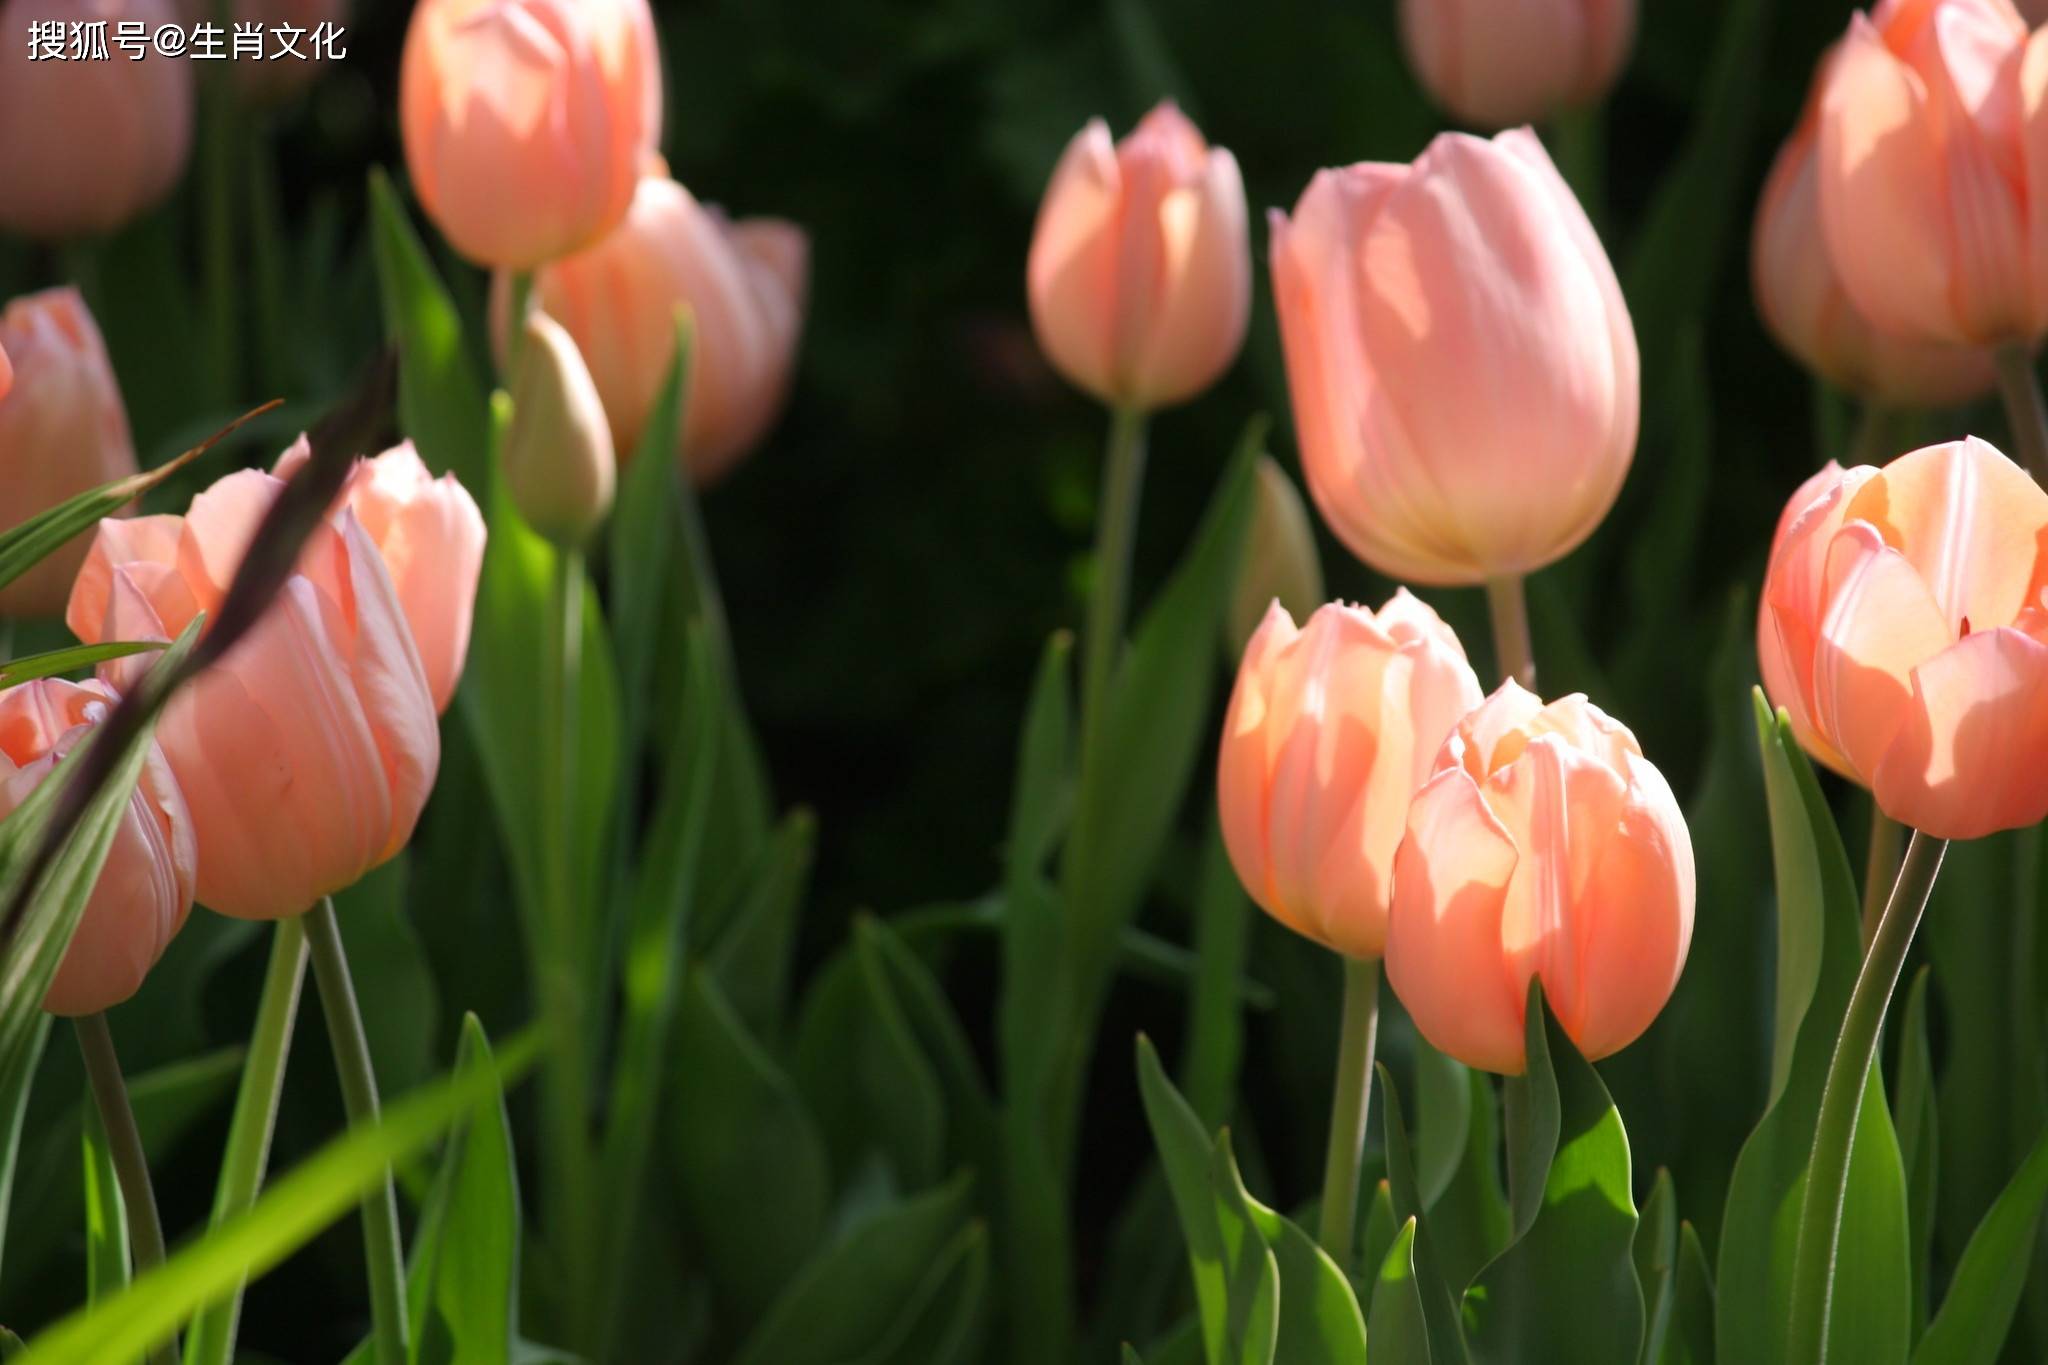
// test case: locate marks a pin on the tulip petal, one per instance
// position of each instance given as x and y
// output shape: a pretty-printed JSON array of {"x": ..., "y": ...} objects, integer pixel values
[
  {"x": 1965, "y": 761},
  {"x": 1880, "y": 624}
]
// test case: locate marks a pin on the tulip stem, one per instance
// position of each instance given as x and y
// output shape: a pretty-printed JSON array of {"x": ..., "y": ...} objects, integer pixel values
[
  {"x": 1508, "y": 604},
  {"x": 1116, "y": 527},
  {"x": 1355, "y": 1045},
  {"x": 519, "y": 294},
  {"x": 1873, "y": 433},
  {"x": 381, "y": 1247},
  {"x": 1880, "y": 866},
  {"x": 2020, "y": 387},
  {"x": 1820, "y": 1215},
  {"x": 212, "y": 1338},
  {"x": 124, "y": 1146}
]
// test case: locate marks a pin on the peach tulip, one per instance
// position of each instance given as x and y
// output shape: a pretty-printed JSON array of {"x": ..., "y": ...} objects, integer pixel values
[
  {"x": 743, "y": 284},
  {"x": 6, "y": 373},
  {"x": 1331, "y": 729},
  {"x": 1934, "y": 170},
  {"x": 62, "y": 431},
  {"x": 1903, "y": 630},
  {"x": 87, "y": 144},
  {"x": 306, "y": 753},
  {"x": 1495, "y": 64},
  {"x": 144, "y": 890},
  {"x": 1139, "y": 277},
  {"x": 1803, "y": 303},
  {"x": 1463, "y": 368},
  {"x": 1545, "y": 846},
  {"x": 526, "y": 122},
  {"x": 430, "y": 534}
]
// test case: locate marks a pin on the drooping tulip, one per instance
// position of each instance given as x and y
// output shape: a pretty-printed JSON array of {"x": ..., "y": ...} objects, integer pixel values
[
  {"x": 1903, "y": 630},
  {"x": 1495, "y": 65},
  {"x": 144, "y": 891},
  {"x": 306, "y": 753},
  {"x": 743, "y": 284},
  {"x": 1280, "y": 563},
  {"x": 431, "y": 536},
  {"x": 558, "y": 461},
  {"x": 89, "y": 144},
  {"x": 1803, "y": 303},
  {"x": 63, "y": 430},
  {"x": 1934, "y": 172},
  {"x": 527, "y": 122},
  {"x": 1139, "y": 277},
  {"x": 1330, "y": 730},
  {"x": 1462, "y": 365},
  {"x": 1545, "y": 846}
]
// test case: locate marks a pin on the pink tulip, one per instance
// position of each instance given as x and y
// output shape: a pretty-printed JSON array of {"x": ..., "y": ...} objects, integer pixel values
[
  {"x": 1140, "y": 272},
  {"x": 1803, "y": 303},
  {"x": 88, "y": 145},
  {"x": 62, "y": 432},
  {"x": 144, "y": 890},
  {"x": 527, "y": 122},
  {"x": 1903, "y": 630},
  {"x": 430, "y": 534},
  {"x": 1463, "y": 368},
  {"x": 1545, "y": 846},
  {"x": 306, "y": 753},
  {"x": 743, "y": 284},
  {"x": 1498, "y": 63},
  {"x": 1934, "y": 170},
  {"x": 1330, "y": 731}
]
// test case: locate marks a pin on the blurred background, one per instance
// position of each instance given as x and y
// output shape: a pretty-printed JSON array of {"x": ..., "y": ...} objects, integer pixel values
[{"x": 896, "y": 553}]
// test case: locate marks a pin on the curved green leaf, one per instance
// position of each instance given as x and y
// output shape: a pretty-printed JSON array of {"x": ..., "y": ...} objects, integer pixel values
[
  {"x": 1971, "y": 1327},
  {"x": 1320, "y": 1322},
  {"x": 1447, "y": 1344},
  {"x": 1919, "y": 1129},
  {"x": 1398, "y": 1333}
]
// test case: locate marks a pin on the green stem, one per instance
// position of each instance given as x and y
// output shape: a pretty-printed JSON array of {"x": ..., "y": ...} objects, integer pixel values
[
  {"x": 381, "y": 1247},
  {"x": 1579, "y": 138},
  {"x": 1872, "y": 438},
  {"x": 212, "y": 1338},
  {"x": 519, "y": 291},
  {"x": 1508, "y": 605},
  {"x": 124, "y": 1146},
  {"x": 1116, "y": 530},
  {"x": 1880, "y": 867},
  {"x": 1347, "y": 1112},
  {"x": 2020, "y": 387},
  {"x": 1820, "y": 1214}
]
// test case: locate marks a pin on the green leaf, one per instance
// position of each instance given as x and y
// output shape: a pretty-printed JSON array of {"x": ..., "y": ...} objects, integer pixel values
[
  {"x": 1971, "y": 1327},
  {"x": 294, "y": 1210},
  {"x": 28, "y": 543},
  {"x": 945, "y": 1319},
  {"x": 892, "y": 968},
  {"x": 1443, "y": 1119},
  {"x": 1398, "y": 1333},
  {"x": 1185, "y": 1153},
  {"x": 643, "y": 536},
  {"x": 852, "y": 1297},
  {"x": 752, "y": 958},
  {"x": 1656, "y": 1256},
  {"x": 1691, "y": 1339},
  {"x": 1447, "y": 1344},
  {"x": 1223, "y": 921},
  {"x": 106, "y": 1215},
  {"x": 1566, "y": 1288},
  {"x": 1469, "y": 1223},
  {"x": 49, "y": 664},
  {"x": 1377, "y": 1239},
  {"x": 17, "y": 1078},
  {"x": 1319, "y": 1321},
  {"x": 755, "y": 1185},
  {"x": 384, "y": 948},
  {"x": 1919, "y": 1129}
]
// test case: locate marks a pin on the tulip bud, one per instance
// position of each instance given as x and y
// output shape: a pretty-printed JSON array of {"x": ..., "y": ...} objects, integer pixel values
[
  {"x": 1331, "y": 729},
  {"x": 144, "y": 891},
  {"x": 1139, "y": 278},
  {"x": 557, "y": 461},
  {"x": 1803, "y": 303},
  {"x": 1934, "y": 170},
  {"x": 1462, "y": 365},
  {"x": 527, "y": 122},
  {"x": 1902, "y": 630},
  {"x": 1545, "y": 845},
  {"x": 62, "y": 430},
  {"x": 88, "y": 144},
  {"x": 1496, "y": 66},
  {"x": 1280, "y": 562}
]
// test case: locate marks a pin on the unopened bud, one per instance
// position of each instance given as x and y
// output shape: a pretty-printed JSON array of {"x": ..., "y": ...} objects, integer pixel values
[
  {"x": 1279, "y": 559},
  {"x": 558, "y": 461}
]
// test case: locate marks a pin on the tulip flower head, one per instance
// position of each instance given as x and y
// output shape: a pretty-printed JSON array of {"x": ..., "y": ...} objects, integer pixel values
[
  {"x": 1331, "y": 729},
  {"x": 1544, "y": 846},
  {"x": 1934, "y": 170},
  {"x": 144, "y": 891},
  {"x": 1496, "y": 65},
  {"x": 527, "y": 122},
  {"x": 1462, "y": 365},
  {"x": 89, "y": 144},
  {"x": 558, "y": 461},
  {"x": 306, "y": 753},
  {"x": 1802, "y": 300},
  {"x": 743, "y": 285},
  {"x": 63, "y": 430},
  {"x": 1904, "y": 631},
  {"x": 1139, "y": 278}
]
